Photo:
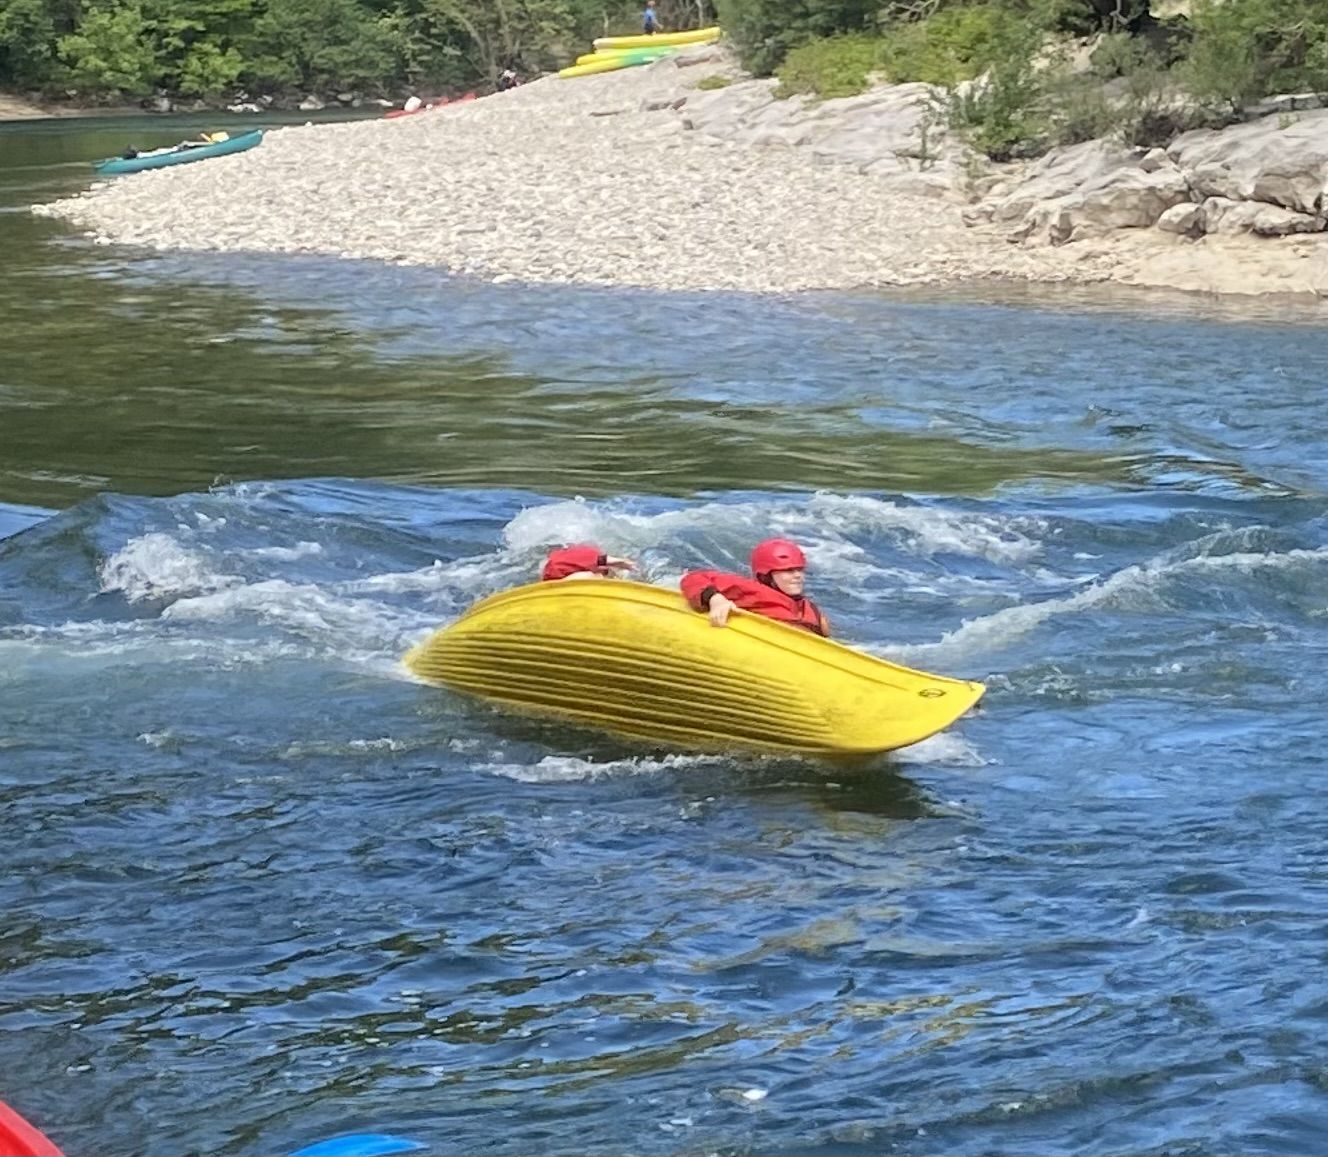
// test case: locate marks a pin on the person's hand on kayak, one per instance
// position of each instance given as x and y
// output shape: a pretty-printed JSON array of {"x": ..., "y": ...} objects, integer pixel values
[
  {"x": 719, "y": 610},
  {"x": 615, "y": 563}
]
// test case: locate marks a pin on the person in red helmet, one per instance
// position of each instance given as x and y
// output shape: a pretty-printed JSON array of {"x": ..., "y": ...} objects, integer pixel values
[
  {"x": 775, "y": 590},
  {"x": 583, "y": 561}
]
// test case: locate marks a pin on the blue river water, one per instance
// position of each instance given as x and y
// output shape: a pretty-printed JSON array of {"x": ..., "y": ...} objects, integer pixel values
[{"x": 261, "y": 887}]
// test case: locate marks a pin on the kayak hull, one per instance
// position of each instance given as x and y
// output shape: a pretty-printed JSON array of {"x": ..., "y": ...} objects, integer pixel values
[
  {"x": 238, "y": 144},
  {"x": 635, "y": 660},
  {"x": 695, "y": 36},
  {"x": 611, "y": 63},
  {"x": 630, "y": 54}
]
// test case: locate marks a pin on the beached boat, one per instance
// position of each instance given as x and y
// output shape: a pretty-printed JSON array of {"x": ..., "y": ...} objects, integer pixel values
[
  {"x": 610, "y": 53},
  {"x": 635, "y": 660},
  {"x": 181, "y": 154},
  {"x": 441, "y": 102},
  {"x": 611, "y": 62},
  {"x": 653, "y": 40}
]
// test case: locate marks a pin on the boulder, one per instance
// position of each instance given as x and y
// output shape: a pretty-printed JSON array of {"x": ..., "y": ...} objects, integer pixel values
[
  {"x": 310, "y": 104},
  {"x": 891, "y": 131},
  {"x": 1121, "y": 199},
  {"x": 1185, "y": 218},
  {"x": 1222, "y": 215},
  {"x": 1272, "y": 160},
  {"x": 1060, "y": 173}
]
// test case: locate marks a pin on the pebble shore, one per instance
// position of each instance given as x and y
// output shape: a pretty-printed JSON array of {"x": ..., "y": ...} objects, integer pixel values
[{"x": 597, "y": 180}]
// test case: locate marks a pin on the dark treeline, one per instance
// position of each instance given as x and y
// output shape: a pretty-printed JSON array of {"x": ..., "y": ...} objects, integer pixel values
[
  {"x": 1224, "y": 51},
  {"x": 117, "y": 49}
]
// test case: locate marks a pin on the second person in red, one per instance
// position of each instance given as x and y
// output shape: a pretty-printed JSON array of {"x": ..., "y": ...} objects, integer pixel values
[{"x": 585, "y": 560}]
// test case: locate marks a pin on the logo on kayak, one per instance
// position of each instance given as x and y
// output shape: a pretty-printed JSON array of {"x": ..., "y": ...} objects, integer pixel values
[{"x": 931, "y": 692}]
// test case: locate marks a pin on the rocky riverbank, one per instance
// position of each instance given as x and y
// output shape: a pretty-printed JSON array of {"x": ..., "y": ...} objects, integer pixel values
[{"x": 643, "y": 178}]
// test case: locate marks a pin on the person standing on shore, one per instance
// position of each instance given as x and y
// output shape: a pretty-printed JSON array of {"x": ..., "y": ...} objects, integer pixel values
[{"x": 650, "y": 19}]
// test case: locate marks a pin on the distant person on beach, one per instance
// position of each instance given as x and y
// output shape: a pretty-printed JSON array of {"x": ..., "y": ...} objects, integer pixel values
[
  {"x": 508, "y": 79},
  {"x": 775, "y": 590},
  {"x": 650, "y": 19},
  {"x": 583, "y": 561}
]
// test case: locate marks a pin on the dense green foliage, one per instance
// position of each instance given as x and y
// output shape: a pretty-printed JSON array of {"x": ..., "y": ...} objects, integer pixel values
[
  {"x": 1003, "y": 70},
  {"x": 129, "y": 48}
]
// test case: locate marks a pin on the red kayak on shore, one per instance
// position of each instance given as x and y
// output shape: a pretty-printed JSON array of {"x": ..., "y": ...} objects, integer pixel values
[
  {"x": 19, "y": 1139},
  {"x": 394, "y": 113}
]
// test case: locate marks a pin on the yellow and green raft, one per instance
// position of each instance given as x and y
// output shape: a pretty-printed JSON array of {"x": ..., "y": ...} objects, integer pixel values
[
  {"x": 615, "y": 52},
  {"x": 595, "y": 62},
  {"x": 635, "y": 660},
  {"x": 658, "y": 39}
]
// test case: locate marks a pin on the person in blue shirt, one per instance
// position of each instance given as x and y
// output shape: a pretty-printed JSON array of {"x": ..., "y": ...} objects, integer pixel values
[{"x": 649, "y": 19}]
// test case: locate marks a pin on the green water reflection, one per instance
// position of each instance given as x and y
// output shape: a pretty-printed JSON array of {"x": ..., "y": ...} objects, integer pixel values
[{"x": 153, "y": 388}]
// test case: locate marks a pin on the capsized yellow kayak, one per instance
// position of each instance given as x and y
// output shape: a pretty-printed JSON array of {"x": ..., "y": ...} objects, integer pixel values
[
  {"x": 695, "y": 36},
  {"x": 636, "y": 660}
]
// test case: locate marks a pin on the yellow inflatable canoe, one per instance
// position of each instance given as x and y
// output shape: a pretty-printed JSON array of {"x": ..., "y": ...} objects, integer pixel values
[
  {"x": 696, "y": 36},
  {"x": 636, "y": 660},
  {"x": 599, "y": 64},
  {"x": 613, "y": 53}
]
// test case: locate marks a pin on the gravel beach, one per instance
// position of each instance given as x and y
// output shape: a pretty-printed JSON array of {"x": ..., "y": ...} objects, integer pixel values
[{"x": 600, "y": 180}]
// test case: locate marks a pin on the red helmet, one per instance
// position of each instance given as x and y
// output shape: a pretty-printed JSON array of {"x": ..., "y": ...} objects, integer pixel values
[{"x": 776, "y": 554}]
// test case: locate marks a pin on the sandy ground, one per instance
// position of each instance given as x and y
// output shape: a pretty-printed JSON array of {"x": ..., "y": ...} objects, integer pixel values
[
  {"x": 594, "y": 181},
  {"x": 14, "y": 108}
]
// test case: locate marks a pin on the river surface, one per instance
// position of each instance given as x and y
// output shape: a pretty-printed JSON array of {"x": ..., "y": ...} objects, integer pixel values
[{"x": 261, "y": 888}]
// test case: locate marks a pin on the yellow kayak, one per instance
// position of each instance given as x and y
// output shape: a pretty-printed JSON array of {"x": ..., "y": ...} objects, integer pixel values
[
  {"x": 696, "y": 36},
  {"x": 614, "y": 53},
  {"x": 636, "y": 660},
  {"x": 601, "y": 64}
]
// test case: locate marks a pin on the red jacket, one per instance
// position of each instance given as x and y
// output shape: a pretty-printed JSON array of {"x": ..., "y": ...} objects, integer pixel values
[
  {"x": 573, "y": 559},
  {"x": 750, "y": 595}
]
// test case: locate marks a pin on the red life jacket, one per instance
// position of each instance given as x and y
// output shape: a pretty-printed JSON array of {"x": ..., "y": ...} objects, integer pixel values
[
  {"x": 568, "y": 560},
  {"x": 751, "y": 595}
]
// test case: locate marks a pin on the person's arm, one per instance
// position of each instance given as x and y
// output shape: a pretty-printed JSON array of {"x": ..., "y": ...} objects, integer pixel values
[{"x": 713, "y": 592}]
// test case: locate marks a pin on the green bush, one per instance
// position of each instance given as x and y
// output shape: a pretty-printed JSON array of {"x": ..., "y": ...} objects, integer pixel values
[
  {"x": 829, "y": 68},
  {"x": 1241, "y": 50},
  {"x": 713, "y": 81},
  {"x": 111, "y": 52},
  {"x": 765, "y": 31},
  {"x": 27, "y": 41},
  {"x": 953, "y": 45}
]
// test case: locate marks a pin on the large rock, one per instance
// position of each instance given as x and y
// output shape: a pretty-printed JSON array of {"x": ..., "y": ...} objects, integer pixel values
[
  {"x": 1128, "y": 198},
  {"x": 1185, "y": 218},
  {"x": 892, "y": 131},
  {"x": 1222, "y": 215},
  {"x": 1060, "y": 173},
  {"x": 1274, "y": 160}
]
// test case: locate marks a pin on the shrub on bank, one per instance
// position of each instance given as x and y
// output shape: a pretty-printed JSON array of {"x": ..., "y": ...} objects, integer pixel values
[{"x": 1006, "y": 92}]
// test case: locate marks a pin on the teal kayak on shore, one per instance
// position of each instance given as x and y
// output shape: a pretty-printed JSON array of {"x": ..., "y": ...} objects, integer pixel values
[{"x": 178, "y": 155}]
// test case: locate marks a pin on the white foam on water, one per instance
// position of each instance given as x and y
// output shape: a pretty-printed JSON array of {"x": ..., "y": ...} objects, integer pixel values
[
  {"x": 947, "y": 749},
  {"x": 1136, "y": 589},
  {"x": 571, "y": 769},
  {"x": 303, "y": 609},
  {"x": 456, "y": 583},
  {"x": 826, "y": 525},
  {"x": 286, "y": 553},
  {"x": 140, "y": 642},
  {"x": 156, "y": 566}
]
